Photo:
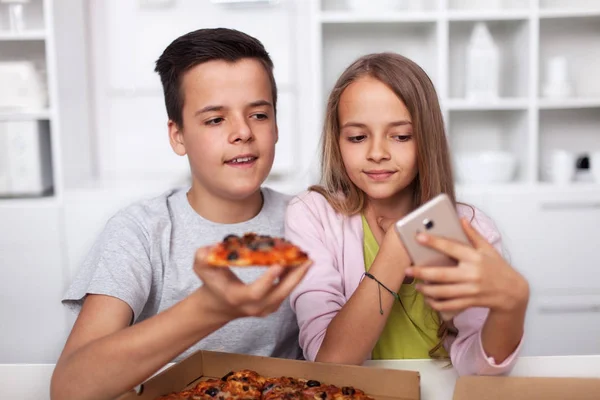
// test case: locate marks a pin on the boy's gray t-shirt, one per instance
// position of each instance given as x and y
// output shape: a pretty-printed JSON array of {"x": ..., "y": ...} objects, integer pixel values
[{"x": 145, "y": 257}]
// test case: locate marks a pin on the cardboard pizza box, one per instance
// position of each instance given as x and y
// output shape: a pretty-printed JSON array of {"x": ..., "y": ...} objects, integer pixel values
[
  {"x": 521, "y": 388},
  {"x": 384, "y": 384}
]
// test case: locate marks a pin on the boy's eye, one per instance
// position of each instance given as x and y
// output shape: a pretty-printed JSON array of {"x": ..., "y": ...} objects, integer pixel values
[
  {"x": 403, "y": 138},
  {"x": 356, "y": 139},
  {"x": 260, "y": 117},
  {"x": 214, "y": 121}
]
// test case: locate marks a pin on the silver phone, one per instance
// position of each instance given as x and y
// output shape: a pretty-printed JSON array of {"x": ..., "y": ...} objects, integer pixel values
[{"x": 437, "y": 217}]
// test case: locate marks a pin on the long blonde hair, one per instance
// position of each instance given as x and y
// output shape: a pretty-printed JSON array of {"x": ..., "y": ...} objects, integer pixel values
[{"x": 412, "y": 85}]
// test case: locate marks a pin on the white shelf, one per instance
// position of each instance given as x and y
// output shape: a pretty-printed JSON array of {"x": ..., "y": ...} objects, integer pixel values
[
  {"x": 518, "y": 188},
  {"x": 485, "y": 15},
  {"x": 574, "y": 103},
  {"x": 345, "y": 17},
  {"x": 570, "y": 13},
  {"x": 345, "y": 43},
  {"x": 29, "y": 202},
  {"x": 25, "y": 115},
  {"x": 22, "y": 36},
  {"x": 500, "y": 104}
]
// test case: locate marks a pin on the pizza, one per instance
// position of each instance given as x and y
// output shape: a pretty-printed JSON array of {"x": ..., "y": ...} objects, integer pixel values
[
  {"x": 255, "y": 250},
  {"x": 249, "y": 385}
]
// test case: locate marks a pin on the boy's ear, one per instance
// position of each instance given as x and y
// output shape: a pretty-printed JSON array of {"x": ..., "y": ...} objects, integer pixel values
[
  {"x": 176, "y": 139},
  {"x": 276, "y": 133}
]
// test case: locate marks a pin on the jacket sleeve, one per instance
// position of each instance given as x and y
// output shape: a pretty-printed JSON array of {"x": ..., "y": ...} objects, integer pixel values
[{"x": 320, "y": 295}]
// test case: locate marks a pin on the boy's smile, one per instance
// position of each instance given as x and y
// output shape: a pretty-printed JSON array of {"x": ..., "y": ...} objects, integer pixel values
[{"x": 242, "y": 161}]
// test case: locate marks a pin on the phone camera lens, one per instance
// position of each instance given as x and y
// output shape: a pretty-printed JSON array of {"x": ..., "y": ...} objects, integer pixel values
[{"x": 428, "y": 224}]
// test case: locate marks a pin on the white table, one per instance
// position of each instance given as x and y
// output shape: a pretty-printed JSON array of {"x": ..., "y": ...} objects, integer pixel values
[
  {"x": 32, "y": 381},
  {"x": 437, "y": 381}
]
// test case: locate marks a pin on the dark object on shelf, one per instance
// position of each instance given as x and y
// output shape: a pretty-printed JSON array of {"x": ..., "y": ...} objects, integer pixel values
[{"x": 583, "y": 162}]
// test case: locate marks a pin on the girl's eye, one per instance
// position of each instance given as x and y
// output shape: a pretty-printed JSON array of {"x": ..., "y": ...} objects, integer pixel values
[
  {"x": 214, "y": 121},
  {"x": 403, "y": 138},
  {"x": 260, "y": 117},
  {"x": 356, "y": 139}
]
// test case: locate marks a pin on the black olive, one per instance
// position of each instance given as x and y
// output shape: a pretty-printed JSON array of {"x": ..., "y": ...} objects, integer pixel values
[
  {"x": 249, "y": 238},
  {"x": 267, "y": 387},
  {"x": 227, "y": 376},
  {"x": 212, "y": 392},
  {"x": 323, "y": 395},
  {"x": 233, "y": 255},
  {"x": 229, "y": 237},
  {"x": 245, "y": 388},
  {"x": 313, "y": 383},
  {"x": 347, "y": 391}
]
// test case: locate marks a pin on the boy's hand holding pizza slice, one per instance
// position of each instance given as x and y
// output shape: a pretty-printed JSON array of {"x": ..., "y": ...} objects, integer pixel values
[{"x": 287, "y": 266}]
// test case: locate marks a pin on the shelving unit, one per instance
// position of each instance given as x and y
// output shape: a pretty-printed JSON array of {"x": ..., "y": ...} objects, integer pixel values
[
  {"x": 23, "y": 36},
  {"x": 435, "y": 35},
  {"x": 35, "y": 44},
  {"x": 26, "y": 115}
]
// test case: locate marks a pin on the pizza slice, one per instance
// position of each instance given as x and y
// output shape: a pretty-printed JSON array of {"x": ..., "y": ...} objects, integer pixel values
[
  {"x": 351, "y": 393},
  {"x": 283, "y": 388},
  {"x": 243, "y": 385},
  {"x": 318, "y": 391},
  {"x": 255, "y": 250},
  {"x": 209, "y": 389}
]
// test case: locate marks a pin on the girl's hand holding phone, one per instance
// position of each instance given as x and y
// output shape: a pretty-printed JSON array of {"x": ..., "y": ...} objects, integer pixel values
[{"x": 482, "y": 277}]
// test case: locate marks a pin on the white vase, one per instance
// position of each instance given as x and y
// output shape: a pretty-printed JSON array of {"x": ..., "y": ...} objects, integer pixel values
[
  {"x": 557, "y": 84},
  {"x": 483, "y": 65}
]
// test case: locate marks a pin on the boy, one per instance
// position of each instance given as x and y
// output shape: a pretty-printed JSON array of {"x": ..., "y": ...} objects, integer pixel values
[{"x": 140, "y": 304}]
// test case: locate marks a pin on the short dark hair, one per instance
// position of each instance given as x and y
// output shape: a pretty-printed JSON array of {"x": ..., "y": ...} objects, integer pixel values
[{"x": 201, "y": 46}]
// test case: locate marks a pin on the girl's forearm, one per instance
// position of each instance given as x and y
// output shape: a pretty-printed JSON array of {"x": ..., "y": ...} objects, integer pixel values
[
  {"x": 502, "y": 333},
  {"x": 354, "y": 331}
]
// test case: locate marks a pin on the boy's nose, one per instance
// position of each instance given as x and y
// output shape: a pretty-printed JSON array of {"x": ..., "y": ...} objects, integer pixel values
[{"x": 241, "y": 132}]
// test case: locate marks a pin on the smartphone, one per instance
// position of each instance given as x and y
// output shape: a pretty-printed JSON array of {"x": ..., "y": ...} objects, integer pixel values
[{"x": 436, "y": 217}]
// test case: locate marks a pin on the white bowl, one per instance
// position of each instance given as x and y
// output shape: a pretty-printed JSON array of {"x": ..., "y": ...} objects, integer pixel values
[{"x": 485, "y": 167}]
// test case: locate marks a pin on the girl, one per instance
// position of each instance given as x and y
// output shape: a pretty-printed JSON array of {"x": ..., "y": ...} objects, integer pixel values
[{"x": 384, "y": 153}]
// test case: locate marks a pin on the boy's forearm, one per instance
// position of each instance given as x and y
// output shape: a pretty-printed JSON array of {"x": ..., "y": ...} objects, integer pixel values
[
  {"x": 354, "y": 331},
  {"x": 108, "y": 367}
]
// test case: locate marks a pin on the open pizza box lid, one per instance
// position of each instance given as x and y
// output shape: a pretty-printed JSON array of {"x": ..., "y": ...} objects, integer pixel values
[
  {"x": 384, "y": 384},
  {"x": 521, "y": 388}
]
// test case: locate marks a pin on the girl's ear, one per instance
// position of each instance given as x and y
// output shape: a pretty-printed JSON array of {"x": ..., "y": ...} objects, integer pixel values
[{"x": 176, "y": 139}]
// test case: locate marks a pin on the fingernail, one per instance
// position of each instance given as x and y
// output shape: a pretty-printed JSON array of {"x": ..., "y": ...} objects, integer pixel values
[
  {"x": 418, "y": 286},
  {"x": 409, "y": 271},
  {"x": 422, "y": 237}
]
